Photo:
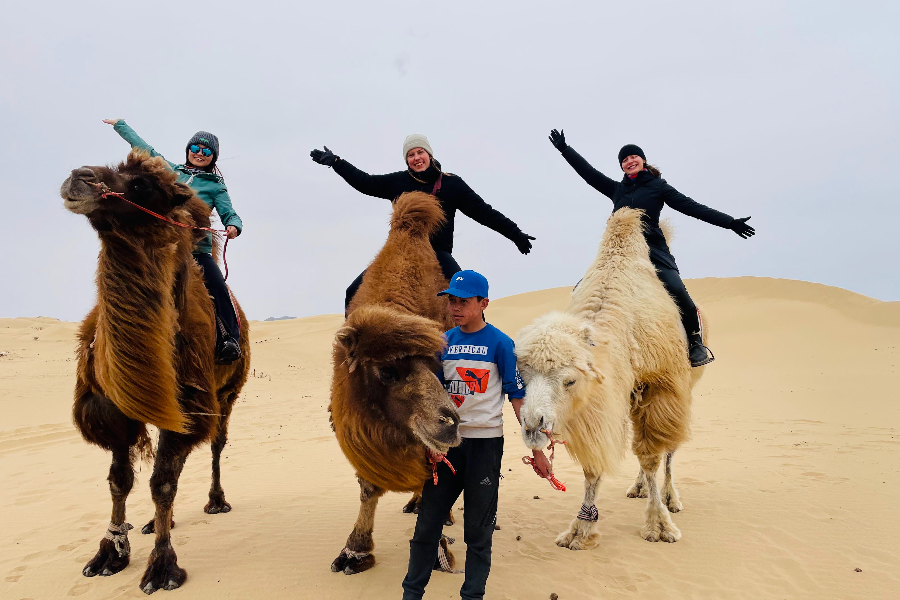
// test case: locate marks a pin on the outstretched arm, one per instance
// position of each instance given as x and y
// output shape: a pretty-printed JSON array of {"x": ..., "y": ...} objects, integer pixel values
[
  {"x": 130, "y": 135},
  {"x": 592, "y": 176},
  {"x": 474, "y": 207},
  {"x": 378, "y": 186}
]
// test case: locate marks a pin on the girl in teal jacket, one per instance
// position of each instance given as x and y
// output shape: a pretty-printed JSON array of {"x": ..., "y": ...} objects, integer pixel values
[{"x": 200, "y": 173}]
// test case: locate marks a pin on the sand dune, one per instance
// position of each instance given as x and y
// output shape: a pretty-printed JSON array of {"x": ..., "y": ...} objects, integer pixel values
[{"x": 790, "y": 482}]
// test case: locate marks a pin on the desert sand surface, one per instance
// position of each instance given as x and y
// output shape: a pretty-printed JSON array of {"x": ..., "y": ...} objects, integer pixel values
[{"x": 790, "y": 483}]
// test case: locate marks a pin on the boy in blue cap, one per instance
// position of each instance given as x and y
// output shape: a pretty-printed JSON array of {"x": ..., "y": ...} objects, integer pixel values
[{"x": 478, "y": 367}]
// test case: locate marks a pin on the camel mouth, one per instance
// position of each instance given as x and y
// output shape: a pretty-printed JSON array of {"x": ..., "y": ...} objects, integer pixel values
[
  {"x": 78, "y": 192},
  {"x": 535, "y": 439},
  {"x": 441, "y": 436}
]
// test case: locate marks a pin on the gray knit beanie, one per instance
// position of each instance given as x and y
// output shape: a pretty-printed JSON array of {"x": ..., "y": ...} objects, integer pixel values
[
  {"x": 208, "y": 140},
  {"x": 416, "y": 140}
]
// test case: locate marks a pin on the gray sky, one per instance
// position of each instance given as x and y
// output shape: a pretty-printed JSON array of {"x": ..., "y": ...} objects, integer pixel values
[{"x": 786, "y": 111}]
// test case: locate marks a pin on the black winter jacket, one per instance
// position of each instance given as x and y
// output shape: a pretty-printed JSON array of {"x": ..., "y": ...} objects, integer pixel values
[
  {"x": 648, "y": 193},
  {"x": 454, "y": 195}
]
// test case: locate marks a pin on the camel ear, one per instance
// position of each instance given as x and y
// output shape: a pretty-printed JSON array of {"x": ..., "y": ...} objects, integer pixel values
[
  {"x": 182, "y": 194},
  {"x": 348, "y": 338},
  {"x": 587, "y": 334}
]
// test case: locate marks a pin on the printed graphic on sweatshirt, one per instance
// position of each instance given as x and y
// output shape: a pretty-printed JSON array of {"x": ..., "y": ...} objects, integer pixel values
[
  {"x": 474, "y": 381},
  {"x": 467, "y": 349}
]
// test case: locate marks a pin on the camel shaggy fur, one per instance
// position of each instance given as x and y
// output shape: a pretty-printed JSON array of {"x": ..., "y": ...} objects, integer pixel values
[
  {"x": 387, "y": 404},
  {"x": 146, "y": 351},
  {"x": 614, "y": 360}
]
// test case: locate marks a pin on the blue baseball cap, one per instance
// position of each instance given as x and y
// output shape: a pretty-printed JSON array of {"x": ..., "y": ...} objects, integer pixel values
[{"x": 467, "y": 284}]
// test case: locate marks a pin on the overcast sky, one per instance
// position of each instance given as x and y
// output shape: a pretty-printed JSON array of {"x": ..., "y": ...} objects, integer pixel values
[{"x": 786, "y": 111}]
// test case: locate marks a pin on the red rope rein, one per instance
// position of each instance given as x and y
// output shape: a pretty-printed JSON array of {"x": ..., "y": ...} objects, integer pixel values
[
  {"x": 106, "y": 192},
  {"x": 556, "y": 483}
]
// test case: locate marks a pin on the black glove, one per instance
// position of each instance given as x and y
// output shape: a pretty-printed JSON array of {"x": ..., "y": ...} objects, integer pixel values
[
  {"x": 740, "y": 227},
  {"x": 523, "y": 242},
  {"x": 324, "y": 157},
  {"x": 558, "y": 139}
]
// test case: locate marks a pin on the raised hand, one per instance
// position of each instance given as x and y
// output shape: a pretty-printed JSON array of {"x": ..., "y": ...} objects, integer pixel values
[
  {"x": 740, "y": 227},
  {"x": 111, "y": 121},
  {"x": 324, "y": 157},
  {"x": 558, "y": 139},
  {"x": 523, "y": 242}
]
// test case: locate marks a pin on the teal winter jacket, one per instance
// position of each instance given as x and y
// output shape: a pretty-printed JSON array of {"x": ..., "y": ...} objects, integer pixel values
[{"x": 209, "y": 187}]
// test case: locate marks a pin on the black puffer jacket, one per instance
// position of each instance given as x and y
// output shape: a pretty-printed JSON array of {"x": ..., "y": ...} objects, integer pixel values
[
  {"x": 454, "y": 195},
  {"x": 648, "y": 193}
]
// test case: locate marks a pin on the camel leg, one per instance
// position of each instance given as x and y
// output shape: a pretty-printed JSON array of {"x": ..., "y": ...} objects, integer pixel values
[
  {"x": 638, "y": 489},
  {"x": 670, "y": 494},
  {"x": 217, "y": 503},
  {"x": 658, "y": 525},
  {"x": 163, "y": 571},
  {"x": 114, "y": 552},
  {"x": 413, "y": 507},
  {"x": 357, "y": 556},
  {"x": 582, "y": 532}
]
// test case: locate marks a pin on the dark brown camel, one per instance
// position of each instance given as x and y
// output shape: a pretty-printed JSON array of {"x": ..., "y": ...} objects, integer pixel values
[
  {"x": 387, "y": 404},
  {"x": 146, "y": 351}
]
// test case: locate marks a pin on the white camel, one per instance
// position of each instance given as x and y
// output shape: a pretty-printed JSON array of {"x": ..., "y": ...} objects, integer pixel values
[{"x": 617, "y": 356}]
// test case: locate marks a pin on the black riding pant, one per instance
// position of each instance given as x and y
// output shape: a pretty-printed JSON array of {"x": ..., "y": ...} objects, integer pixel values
[
  {"x": 215, "y": 285},
  {"x": 448, "y": 265},
  {"x": 477, "y": 464},
  {"x": 671, "y": 280}
]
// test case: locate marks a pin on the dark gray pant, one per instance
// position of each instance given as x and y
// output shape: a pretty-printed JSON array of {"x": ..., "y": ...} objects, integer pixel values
[
  {"x": 215, "y": 285},
  {"x": 477, "y": 464},
  {"x": 671, "y": 280}
]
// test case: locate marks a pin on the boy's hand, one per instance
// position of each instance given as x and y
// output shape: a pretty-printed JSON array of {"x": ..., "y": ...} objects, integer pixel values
[{"x": 541, "y": 464}]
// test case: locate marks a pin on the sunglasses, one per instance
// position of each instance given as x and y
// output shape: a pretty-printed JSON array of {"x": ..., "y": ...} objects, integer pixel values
[{"x": 197, "y": 150}]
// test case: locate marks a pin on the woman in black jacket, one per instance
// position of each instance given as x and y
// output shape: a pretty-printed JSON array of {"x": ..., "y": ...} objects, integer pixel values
[
  {"x": 642, "y": 187},
  {"x": 424, "y": 174}
]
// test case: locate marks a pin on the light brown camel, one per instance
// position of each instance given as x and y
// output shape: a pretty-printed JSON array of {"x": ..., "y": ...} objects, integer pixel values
[
  {"x": 146, "y": 351},
  {"x": 387, "y": 404},
  {"x": 617, "y": 355}
]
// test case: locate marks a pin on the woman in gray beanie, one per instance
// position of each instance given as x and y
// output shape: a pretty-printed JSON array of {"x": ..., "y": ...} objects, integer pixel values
[
  {"x": 643, "y": 187},
  {"x": 199, "y": 172},
  {"x": 423, "y": 173}
]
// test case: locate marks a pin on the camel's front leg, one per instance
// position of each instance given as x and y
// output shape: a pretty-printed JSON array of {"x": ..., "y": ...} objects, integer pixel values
[
  {"x": 658, "y": 525},
  {"x": 163, "y": 571},
  {"x": 217, "y": 503},
  {"x": 582, "y": 532},
  {"x": 670, "y": 494},
  {"x": 357, "y": 556},
  {"x": 114, "y": 552},
  {"x": 416, "y": 501},
  {"x": 638, "y": 489}
]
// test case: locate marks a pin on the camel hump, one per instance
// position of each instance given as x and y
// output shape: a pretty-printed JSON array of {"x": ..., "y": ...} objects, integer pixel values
[{"x": 418, "y": 213}]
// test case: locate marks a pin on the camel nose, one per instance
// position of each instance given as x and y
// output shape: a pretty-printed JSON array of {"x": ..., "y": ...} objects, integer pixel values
[
  {"x": 448, "y": 416},
  {"x": 84, "y": 174}
]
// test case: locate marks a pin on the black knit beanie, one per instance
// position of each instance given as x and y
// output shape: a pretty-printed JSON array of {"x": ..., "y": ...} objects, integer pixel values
[
  {"x": 208, "y": 140},
  {"x": 629, "y": 149}
]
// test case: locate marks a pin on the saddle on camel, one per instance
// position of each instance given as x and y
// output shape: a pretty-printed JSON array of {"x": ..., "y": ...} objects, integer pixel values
[
  {"x": 387, "y": 405},
  {"x": 146, "y": 353}
]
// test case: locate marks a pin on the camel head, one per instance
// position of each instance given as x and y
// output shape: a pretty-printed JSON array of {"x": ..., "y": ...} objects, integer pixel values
[
  {"x": 146, "y": 181},
  {"x": 391, "y": 359},
  {"x": 556, "y": 360}
]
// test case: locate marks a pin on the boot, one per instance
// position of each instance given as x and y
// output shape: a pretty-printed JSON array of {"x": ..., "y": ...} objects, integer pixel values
[
  {"x": 227, "y": 351},
  {"x": 698, "y": 353}
]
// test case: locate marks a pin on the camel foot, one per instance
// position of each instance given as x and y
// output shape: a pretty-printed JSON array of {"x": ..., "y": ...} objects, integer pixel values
[
  {"x": 673, "y": 503},
  {"x": 352, "y": 563},
  {"x": 660, "y": 531},
  {"x": 580, "y": 535},
  {"x": 163, "y": 572},
  {"x": 636, "y": 491},
  {"x": 216, "y": 506},
  {"x": 449, "y": 520},
  {"x": 151, "y": 527},
  {"x": 412, "y": 507},
  {"x": 106, "y": 562}
]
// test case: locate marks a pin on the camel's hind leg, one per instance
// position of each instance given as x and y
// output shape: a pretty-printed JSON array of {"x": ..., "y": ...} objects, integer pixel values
[
  {"x": 582, "y": 532},
  {"x": 413, "y": 507},
  {"x": 658, "y": 525},
  {"x": 670, "y": 494},
  {"x": 217, "y": 503},
  {"x": 638, "y": 489},
  {"x": 357, "y": 556},
  {"x": 163, "y": 571}
]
